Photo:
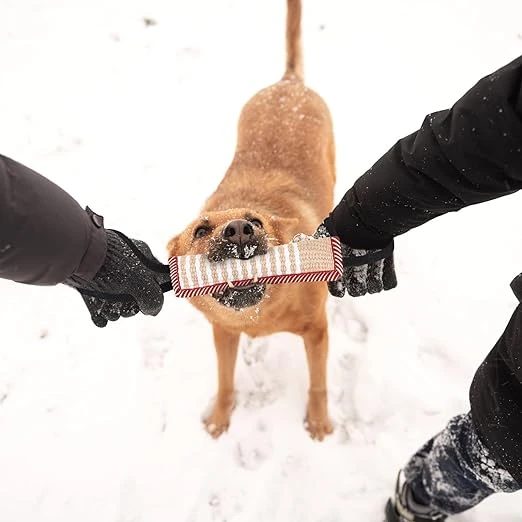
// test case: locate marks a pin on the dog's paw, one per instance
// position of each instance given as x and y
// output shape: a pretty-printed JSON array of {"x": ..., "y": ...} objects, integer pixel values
[
  {"x": 318, "y": 428},
  {"x": 317, "y": 421},
  {"x": 218, "y": 421},
  {"x": 215, "y": 427}
]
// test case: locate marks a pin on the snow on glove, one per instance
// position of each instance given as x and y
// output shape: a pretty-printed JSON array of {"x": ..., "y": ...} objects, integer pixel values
[
  {"x": 365, "y": 271},
  {"x": 124, "y": 285}
]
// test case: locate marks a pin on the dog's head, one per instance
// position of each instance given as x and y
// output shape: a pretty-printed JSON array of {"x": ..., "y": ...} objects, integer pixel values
[{"x": 237, "y": 233}]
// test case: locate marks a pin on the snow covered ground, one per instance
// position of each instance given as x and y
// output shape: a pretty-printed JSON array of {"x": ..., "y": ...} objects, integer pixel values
[{"x": 131, "y": 105}]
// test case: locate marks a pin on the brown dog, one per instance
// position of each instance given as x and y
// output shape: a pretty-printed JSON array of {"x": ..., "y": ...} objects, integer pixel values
[{"x": 280, "y": 183}]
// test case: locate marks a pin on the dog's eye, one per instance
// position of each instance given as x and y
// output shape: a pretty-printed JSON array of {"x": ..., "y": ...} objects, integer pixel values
[
  {"x": 256, "y": 223},
  {"x": 201, "y": 232}
]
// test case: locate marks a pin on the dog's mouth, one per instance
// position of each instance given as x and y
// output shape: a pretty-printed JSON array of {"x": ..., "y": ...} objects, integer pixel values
[{"x": 242, "y": 297}]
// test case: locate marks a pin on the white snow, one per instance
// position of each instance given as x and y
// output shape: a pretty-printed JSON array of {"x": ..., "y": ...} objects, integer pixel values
[{"x": 138, "y": 121}]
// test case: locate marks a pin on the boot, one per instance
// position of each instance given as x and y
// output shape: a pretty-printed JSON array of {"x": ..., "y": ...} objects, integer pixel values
[{"x": 404, "y": 508}]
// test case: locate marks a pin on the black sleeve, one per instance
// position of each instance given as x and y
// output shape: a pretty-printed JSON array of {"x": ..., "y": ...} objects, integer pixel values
[
  {"x": 45, "y": 236},
  {"x": 459, "y": 157}
]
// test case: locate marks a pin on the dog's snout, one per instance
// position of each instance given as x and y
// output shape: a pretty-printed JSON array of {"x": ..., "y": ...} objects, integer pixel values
[{"x": 238, "y": 231}]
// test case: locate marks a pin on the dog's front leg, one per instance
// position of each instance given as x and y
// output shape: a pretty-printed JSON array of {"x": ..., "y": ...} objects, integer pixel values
[
  {"x": 316, "y": 345},
  {"x": 226, "y": 344}
]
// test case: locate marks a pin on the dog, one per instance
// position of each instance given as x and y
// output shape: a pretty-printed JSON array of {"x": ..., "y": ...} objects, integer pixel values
[{"x": 280, "y": 183}]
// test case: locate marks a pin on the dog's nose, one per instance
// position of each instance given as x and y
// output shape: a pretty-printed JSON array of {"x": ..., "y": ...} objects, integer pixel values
[{"x": 238, "y": 231}]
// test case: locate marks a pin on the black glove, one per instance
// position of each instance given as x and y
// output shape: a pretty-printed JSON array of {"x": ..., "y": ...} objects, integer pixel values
[
  {"x": 365, "y": 271},
  {"x": 129, "y": 281}
]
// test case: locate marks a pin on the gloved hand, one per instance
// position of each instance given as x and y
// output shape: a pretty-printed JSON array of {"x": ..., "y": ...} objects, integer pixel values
[
  {"x": 365, "y": 271},
  {"x": 124, "y": 285}
]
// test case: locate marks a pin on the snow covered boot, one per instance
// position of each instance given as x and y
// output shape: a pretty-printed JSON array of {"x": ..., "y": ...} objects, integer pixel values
[{"x": 404, "y": 508}]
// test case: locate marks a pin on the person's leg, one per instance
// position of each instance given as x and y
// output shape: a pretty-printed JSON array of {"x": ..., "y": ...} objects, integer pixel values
[
  {"x": 457, "y": 468},
  {"x": 454, "y": 471}
]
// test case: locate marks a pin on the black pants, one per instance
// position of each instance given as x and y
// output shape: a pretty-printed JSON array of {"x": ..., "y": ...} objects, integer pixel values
[{"x": 454, "y": 471}]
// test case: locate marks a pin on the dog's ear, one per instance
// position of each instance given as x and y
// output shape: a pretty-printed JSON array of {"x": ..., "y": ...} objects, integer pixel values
[
  {"x": 173, "y": 246},
  {"x": 285, "y": 228}
]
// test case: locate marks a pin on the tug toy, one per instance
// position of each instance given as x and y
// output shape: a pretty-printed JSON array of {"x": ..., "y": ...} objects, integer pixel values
[{"x": 302, "y": 261}]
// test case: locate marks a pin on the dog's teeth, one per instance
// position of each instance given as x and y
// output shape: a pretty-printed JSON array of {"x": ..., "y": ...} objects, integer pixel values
[{"x": 230, "y": 284}]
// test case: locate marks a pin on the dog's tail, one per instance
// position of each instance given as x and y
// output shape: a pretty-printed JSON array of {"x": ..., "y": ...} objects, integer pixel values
[{"x": 294, "y": 55}]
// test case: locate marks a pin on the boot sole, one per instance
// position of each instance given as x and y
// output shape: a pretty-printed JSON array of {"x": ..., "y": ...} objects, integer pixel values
[{"x": 391, "y": 514}]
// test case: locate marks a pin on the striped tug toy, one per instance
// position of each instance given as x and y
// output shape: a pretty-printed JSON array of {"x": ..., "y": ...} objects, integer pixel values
[{"x": 302, "y": 261}]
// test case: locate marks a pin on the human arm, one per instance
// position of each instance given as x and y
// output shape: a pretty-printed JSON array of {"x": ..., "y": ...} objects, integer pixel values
[
  {"x": 461, "y": 156},
  {"x": 46, "y": 238}
]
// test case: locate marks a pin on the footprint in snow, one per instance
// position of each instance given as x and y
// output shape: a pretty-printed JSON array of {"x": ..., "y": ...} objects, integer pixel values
[
  {"x": 254, "y": 448},
  {"x": 343, "y": 317},
  {"x": 266, "y": 389}
]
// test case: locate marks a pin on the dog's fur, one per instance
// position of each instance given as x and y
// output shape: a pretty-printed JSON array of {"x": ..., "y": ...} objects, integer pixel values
[{"x": 282, "y": 176}]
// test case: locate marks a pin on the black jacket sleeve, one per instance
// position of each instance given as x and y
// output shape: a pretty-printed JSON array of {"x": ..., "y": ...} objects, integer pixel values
[
  {"x": 45, "y": 236},
  {"x": 459, "y": 157}
]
